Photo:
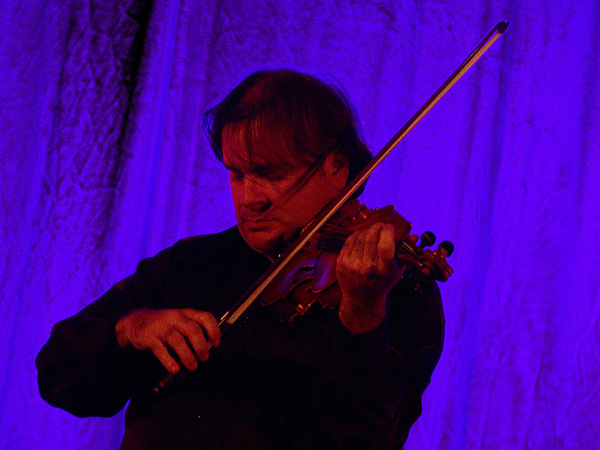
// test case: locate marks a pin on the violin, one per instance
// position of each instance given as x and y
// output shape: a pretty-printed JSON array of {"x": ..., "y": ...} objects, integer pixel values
[
  {"x": 306, "y": 268},
  {"x": 311, "y": 279}
]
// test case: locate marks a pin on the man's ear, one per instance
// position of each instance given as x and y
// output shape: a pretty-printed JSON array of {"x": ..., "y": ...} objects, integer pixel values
[{"x": 336, "y": 167}]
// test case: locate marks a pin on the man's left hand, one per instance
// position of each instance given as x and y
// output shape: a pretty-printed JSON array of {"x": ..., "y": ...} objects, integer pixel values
[{"x": 366, "y": 272}]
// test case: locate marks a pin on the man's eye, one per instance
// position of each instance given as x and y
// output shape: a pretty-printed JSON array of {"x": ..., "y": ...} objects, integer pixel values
[
  {"x": 271, "y": 176},
  {"x": 234, "y": 176}
]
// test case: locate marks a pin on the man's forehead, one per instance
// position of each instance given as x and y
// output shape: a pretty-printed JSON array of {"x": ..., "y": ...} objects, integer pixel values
[
  {"x": 243, "y": 162},
  {"x": 239, "y": 153}
]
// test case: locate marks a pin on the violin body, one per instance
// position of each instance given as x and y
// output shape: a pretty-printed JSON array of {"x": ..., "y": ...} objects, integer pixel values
[{"x": 311, "y": 275}]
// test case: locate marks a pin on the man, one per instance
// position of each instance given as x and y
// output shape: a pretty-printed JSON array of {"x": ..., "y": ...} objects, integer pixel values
[{"x": 351, "y": 377}]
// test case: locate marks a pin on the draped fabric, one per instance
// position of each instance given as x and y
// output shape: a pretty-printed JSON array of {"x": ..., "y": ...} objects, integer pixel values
[{"x": 103, "y": 163}]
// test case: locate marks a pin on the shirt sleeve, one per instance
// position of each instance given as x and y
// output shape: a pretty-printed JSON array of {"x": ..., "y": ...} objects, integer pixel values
[
  {"x": 369, "y": 392},
  {"x": 81, "y": 368}
]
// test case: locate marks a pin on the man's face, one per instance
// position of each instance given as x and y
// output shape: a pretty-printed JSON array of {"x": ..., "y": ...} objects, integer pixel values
[{"x": 273, "y": 199}]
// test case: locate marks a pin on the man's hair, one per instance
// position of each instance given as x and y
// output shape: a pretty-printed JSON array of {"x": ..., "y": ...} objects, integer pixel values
[{"x": 284, "y": 115}]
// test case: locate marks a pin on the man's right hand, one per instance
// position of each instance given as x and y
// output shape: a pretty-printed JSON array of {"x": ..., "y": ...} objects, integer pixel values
[{"x": 188, "y": 333}]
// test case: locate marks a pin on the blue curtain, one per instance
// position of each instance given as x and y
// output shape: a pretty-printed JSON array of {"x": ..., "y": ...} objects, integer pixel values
[{"x": 103, "y": 163}]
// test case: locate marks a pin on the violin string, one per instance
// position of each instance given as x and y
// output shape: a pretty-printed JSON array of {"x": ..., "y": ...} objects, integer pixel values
[{"x": 333, "y": 237}]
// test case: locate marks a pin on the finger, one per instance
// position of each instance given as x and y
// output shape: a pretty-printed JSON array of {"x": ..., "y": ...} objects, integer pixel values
[
  {"x": 209, "y": 324},
  {"x": 165, "y": 358},
  {"x": 372, "y": 238},
  {"x": 181, "y": 347},
  {"x": 386, "y": 246},
  {"x": 201, "y": 346},
  {"x": 346, "y": 252},
  {"x": 194, "y": 333},
  {"x": 388, "y": 254},
  {"x": 358, "y": 247}
]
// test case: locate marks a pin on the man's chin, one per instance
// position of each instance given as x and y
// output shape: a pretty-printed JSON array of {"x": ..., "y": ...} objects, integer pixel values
[{"x": 263, "y": 241}]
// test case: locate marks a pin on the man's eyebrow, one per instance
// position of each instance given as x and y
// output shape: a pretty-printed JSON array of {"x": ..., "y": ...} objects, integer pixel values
[
  {"x": 255, "y": 168},
  {"x": 230, "y": 168}
]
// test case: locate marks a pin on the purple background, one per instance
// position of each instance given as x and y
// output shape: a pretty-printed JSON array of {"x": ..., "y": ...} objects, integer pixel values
[{"x": 103, "y": 163}]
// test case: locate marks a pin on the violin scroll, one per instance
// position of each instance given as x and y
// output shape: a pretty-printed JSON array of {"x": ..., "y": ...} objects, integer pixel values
[{"x": 422, "y": 262}]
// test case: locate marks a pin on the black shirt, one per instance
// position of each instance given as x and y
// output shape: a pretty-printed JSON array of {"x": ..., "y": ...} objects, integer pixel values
[{"x": 310, "y": 384}]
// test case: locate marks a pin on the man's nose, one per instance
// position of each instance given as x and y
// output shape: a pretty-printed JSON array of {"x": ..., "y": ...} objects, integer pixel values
[{"x": 253, "y": 196}]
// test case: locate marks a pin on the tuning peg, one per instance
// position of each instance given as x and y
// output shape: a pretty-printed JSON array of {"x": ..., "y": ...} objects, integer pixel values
[
  {"x": 427, "y": 239},
  {"x": 446, "y": 248}
]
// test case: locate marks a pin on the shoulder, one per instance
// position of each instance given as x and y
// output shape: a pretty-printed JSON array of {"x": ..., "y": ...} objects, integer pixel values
[
  {"x": 203, "y": 246},
  {"x": 227, "y": 240},
  {"x": 191, "y": 252},
  {"x": 209, "y": 253}
]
